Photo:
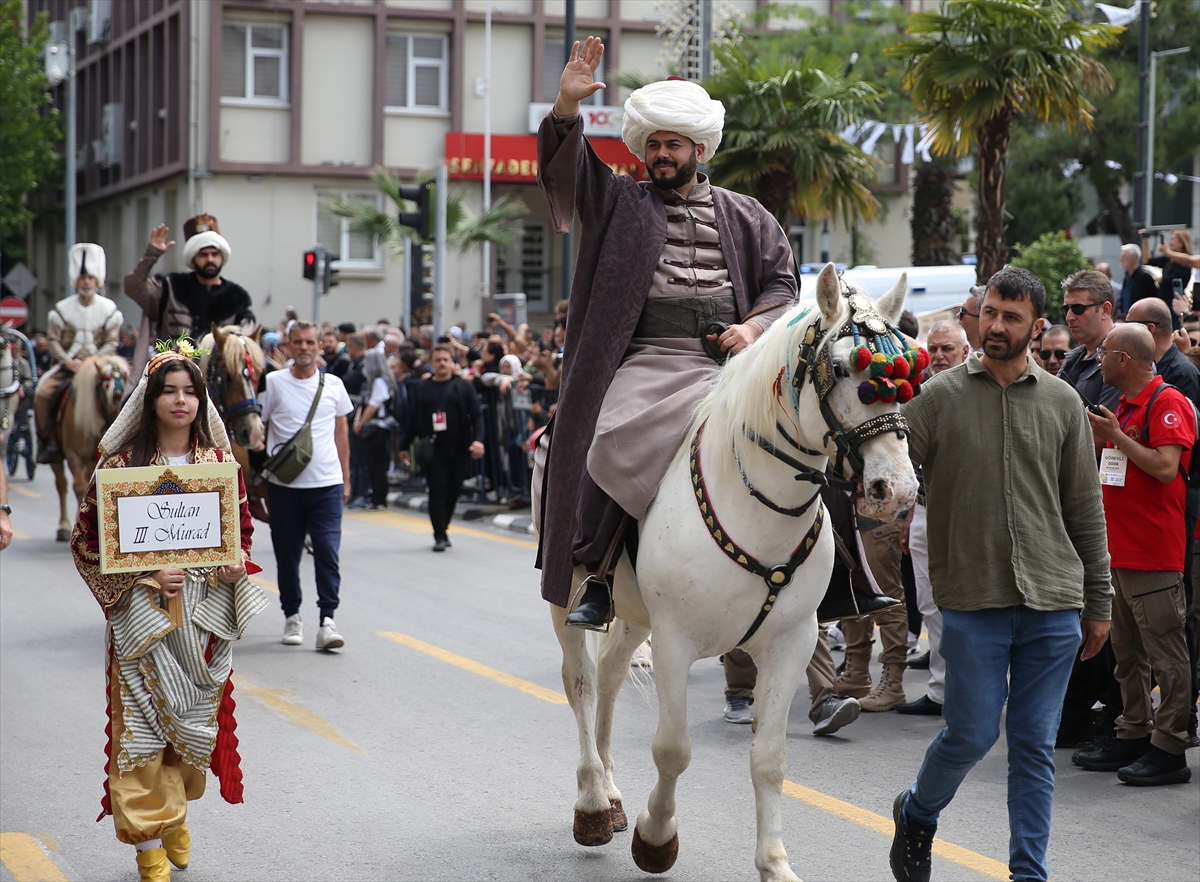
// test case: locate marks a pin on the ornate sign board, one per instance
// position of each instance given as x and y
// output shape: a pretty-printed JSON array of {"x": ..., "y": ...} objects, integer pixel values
[{"x": 168, "y": 516}]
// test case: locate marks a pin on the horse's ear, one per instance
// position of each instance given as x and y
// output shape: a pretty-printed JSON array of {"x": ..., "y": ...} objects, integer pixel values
[
  {"x": 829, "y": 292},
  {"x": 218, "y": 335},
  {"x": 257, "y": 335},
  {"x": 891, "y": 304}
]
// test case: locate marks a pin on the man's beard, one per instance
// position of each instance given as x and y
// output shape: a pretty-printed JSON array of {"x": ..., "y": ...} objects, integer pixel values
[
  {"x": 208, "y": 270},
  {"x": 683, "y": 174},
  {"x": 1016, "y": 350}
]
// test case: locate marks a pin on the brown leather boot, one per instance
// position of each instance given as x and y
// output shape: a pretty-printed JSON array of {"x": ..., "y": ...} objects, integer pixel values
[
  {"x": 888, "y": 692},
  {"x": 855, "y": 682}
]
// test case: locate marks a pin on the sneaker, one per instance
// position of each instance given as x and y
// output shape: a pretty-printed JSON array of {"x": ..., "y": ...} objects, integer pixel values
[
  {"x": 293, "y": 633},
  {"x": 836, "y": 713},
  {"x": 440, "y": 544},
  {"x": 1115, "y": 754},
  {"x": 1156, "y": 767},
  {"x": 837, "y": 640},
  {"x": 911, "y": 856},
  {"x": 357, "y": 504},
  {"x": 923, "y": 706},
  {"x": 327, "y": 635},
  {"x": 1095, "y": 744},
  {"x": 737, "y": 710}
]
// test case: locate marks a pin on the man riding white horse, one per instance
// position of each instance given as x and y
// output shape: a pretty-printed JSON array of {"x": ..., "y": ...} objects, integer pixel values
[
  {"x": 86, "y": 323},
  {"x": 672, "y": 276}
]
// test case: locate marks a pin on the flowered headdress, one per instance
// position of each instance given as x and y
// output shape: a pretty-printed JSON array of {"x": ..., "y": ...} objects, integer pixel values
[{"x": 121, "y": 432}]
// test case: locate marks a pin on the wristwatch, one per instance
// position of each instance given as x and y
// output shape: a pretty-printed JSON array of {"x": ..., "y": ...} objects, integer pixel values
[{"x": 6, "y": 508}]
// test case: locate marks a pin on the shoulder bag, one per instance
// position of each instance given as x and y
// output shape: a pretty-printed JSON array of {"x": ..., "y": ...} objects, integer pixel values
[{"x": 296, "y": 453}]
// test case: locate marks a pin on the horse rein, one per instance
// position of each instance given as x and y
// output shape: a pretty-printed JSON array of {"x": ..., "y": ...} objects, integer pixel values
[{"x": 216, "y": 386}]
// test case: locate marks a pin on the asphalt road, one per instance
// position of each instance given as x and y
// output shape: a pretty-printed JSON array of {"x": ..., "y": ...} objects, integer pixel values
[{"x": 438, "y": 745}]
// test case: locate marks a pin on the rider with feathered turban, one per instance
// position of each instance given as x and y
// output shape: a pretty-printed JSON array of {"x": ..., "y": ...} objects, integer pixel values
[
  {"x": 186, "y": 303},
  {"x": 85, "y": 324},
  {"x": 673, "y": 275}
]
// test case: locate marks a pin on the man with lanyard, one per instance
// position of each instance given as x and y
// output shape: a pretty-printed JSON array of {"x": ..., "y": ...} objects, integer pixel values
[
  {"x": 190, "y": 302},
  {"x": 1148, "y": 446},
  {"x": 672, "y": 275},
  {"x": 84, "y": 324}
]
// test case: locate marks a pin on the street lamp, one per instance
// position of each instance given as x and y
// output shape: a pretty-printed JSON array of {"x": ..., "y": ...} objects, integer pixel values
[{"x": 60, "y": 65}]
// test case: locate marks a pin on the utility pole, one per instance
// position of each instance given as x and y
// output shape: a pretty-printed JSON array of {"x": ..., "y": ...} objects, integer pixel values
[
  {"x": 568, "y": 240},
  {"x": 706, "y": 38},
  {"x": 439, "y": 252},
  {"x": 487, "y": 144},
  {"x": 318, "y": 280},
  {"x": 1141, "y": 184}
]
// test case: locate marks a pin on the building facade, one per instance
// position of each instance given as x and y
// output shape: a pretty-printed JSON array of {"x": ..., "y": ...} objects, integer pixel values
[{"x": 259, "y": 111}]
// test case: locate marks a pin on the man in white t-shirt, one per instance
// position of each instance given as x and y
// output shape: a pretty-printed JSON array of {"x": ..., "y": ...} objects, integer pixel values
[{"x": 312, "y": 503}]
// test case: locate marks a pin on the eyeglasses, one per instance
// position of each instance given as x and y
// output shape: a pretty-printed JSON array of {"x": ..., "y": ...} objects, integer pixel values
[
  {"x": 1048, "y": 354},
  {"x": 962, "y": 310},
  {"x": 1080, "y": 308},
  {"x": 1101, "y": 352}
]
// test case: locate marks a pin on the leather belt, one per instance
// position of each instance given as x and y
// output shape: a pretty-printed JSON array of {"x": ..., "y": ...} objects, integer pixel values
[{"x": 685, "y": 316}]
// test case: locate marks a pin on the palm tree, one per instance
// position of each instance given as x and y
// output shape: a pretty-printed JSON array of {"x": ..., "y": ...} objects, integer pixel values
[
  {"x": 465, "y": 230},
  {"x": 975, "y": 65},
  {"x": 781, "y": 142}
]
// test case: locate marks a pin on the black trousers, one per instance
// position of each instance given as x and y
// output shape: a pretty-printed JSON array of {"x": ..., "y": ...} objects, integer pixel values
[
  {"x": 377, "y": 448},
  {"x": 599, "y": 519},
  {"x": 444, "y": 478}
]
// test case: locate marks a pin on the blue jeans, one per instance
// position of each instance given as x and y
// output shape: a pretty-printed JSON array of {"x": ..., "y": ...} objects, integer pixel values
[
  {"x": 316, "y": 512},
  {"x": 1024, "y": 656}
]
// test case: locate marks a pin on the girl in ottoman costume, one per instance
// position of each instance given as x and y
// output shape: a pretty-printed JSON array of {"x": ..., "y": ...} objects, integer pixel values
[{"x": 169, "y": 692}]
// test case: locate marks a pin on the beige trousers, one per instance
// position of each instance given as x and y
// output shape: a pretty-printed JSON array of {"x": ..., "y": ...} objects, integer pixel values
[
  {"x": 741, "y": 675},
  {"x": 882, "y": 547}
]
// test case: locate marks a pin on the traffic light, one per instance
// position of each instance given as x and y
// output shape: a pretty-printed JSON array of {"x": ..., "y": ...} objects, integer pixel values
[
  {"x": 419, "y": 220},
  {"x": 330, "y": 279},
  {"x": 310, "y": 265}
]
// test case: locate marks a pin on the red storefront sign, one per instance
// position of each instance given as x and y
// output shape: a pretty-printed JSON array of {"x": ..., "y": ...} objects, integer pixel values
[{"x": 514, "y": 157}]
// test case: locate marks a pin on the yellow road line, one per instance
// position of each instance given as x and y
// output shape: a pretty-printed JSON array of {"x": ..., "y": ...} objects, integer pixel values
[
  {"x": 20, "y": 534},
  {"x": 264, "y": 584},
  {"x": 984, "y": 866},
  {"x": 413, "y": 524},
  {"x": 276, "y": 701},
  {"x": 24, "y": 491},
  {"x": 548, "y": 695},
  {"x": 23, "y": 856}
]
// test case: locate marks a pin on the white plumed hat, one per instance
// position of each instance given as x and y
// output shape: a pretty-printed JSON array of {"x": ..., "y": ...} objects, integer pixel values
[
  {"x": 674, "y": 105},
  {"x": 86, "y": 257}
]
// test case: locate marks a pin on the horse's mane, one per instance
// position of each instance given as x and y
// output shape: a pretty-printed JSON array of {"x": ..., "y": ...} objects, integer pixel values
[
  {"x": 90, "y": 419},
  {"x": 744, "y": 393},
  {"x": 231, "y": 352}
]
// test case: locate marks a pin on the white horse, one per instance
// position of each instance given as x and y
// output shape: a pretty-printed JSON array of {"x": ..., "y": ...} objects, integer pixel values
[{"x": 693, "y": 588}]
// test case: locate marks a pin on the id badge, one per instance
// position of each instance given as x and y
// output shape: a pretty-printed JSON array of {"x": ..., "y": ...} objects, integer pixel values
[
  {"x": 1113, "y": 464},
  {"x": 439, "y": 421}
]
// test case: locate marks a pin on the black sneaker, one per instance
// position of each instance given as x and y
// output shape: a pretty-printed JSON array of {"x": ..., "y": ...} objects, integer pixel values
[
  {"x": 1098, "y": 743},
  {"x": 1156, "y": 767},
  {"x": 1115, "y": 754},
  {"x": 919, "y": 662},
  {"x": 911, "y": 856},
  {"x": 439, "y": 544}
]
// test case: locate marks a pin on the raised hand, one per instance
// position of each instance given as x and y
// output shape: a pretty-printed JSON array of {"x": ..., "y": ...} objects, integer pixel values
[
  {"x": 578, "y": 77},
  {"x": 158, "y": 237}
]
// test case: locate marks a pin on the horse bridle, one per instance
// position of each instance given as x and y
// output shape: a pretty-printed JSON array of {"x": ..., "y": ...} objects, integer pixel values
[
  {"x": 217, "y": 380},
  {"x": 118, "y": 392}
]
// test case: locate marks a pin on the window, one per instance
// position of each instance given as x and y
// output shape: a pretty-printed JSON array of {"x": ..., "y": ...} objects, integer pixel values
[
  {"x": 254, "y": 63},
  {"x": 552, "y": 68},
  {"x": 417, "y": 73},
  {"x": 351, "y": 249},
  {"x": 523, "y": 266}
]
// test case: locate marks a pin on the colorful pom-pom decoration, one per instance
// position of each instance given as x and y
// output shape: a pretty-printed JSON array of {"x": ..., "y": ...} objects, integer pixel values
[
  {"x": 922, "y": 358},
  {"x": 887, "y": 390},
  {"x": 867, "y": 391},
  {"x": 880, "y": 365},
  {"x": 904, "y": 391},
  {"x": 900, "y": 367},
  {"x": 862, "y": 358}
]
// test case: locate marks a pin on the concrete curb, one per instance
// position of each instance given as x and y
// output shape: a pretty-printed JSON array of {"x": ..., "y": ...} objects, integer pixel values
[
  {"x": 515, "y": 522},
  {"x": 464, "y": 511}
]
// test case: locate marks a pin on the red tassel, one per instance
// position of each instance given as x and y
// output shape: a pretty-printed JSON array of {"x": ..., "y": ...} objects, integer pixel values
[{"x": 226, "y": 762}]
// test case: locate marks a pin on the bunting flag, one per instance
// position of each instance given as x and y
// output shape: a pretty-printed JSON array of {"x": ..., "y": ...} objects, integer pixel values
[
  {"x": 914, "y": 138},
  {"x": 1118, "y": 16}
]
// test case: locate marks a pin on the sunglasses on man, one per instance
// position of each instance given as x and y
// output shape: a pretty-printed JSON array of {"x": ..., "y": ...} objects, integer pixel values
[
  {"x": 1057, "y": 354},
  {"x": 1080, "y": 308}
]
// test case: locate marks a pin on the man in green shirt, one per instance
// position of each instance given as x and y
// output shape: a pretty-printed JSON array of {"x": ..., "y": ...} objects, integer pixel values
[{"x": 1008, "y": 456}]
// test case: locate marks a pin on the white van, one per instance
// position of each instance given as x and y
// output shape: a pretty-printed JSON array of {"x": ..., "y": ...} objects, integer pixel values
[{"x": 931, "y": 289}]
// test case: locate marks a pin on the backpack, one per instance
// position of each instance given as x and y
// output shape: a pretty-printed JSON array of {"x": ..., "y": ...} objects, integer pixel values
[{"x": 1191, "y": 476}]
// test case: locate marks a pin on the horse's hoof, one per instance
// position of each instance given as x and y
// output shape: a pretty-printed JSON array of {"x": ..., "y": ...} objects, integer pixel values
[
  {"x": 591, "y": 830},
  {"x": 619, "y": 822},
  {"x": 63, "y": 535},
  {"x": 654, "y": 858}
]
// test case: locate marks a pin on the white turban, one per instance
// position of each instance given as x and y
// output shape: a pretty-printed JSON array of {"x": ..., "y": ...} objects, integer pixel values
[
  {"x": 87, "y": 258},
  {"x": 207, "y": 239},
  {"x": 672, "y": 106}
]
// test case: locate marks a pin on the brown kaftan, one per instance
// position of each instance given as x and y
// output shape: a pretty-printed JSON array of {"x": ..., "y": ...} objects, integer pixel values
[{"x": 624, "y": 229}]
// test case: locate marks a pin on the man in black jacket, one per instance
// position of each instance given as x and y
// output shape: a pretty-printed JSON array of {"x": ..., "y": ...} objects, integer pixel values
[
  {"x": 446, "y": 408},
  {"x": 353, "y": 380},
  {"x": 1138, "y": 284}
]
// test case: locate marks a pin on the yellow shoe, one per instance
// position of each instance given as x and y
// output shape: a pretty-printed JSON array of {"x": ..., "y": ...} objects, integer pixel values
[
  {"x": 153, "y": 866},
  {"x": 178, "y": 844}
]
